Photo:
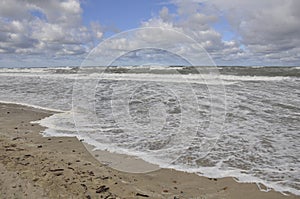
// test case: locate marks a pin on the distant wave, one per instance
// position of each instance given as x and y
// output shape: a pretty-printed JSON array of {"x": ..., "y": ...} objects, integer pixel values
[{"x": 188, "y": 78}]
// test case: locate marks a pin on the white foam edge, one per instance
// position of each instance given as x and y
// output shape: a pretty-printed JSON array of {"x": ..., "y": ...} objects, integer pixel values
[
  {"x": 210, "y": 172},
  {"x": 238, "y": 176},
  {"x": 32, "y": 106}
]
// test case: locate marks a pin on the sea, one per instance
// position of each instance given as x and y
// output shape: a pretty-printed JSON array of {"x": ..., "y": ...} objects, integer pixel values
[{"x": 240, "y": 122}]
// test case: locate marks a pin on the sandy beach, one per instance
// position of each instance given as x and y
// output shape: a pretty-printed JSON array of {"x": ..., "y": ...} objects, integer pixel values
[{"x": 33, "y": 166}]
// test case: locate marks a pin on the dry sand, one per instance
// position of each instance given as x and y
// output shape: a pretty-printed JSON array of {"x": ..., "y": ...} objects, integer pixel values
[{"x": 32, "y": 166}]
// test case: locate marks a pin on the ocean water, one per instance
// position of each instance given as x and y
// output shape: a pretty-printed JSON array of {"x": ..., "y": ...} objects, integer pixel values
[{"x": 244, "y": 123}]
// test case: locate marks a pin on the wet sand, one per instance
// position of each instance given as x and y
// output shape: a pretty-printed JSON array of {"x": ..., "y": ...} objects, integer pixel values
[{"x": 32, "y": 166}]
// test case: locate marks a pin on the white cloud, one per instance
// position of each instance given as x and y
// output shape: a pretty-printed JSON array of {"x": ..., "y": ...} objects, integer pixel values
[
  {"x": 191, "y": 21},
  {"x": 165, "y": 15},
  {"x": 265, "y": 31},
  {"x": 97, "y": 30},
  {"x": 268, "y": 29},
  {"x": 50, "y": 28}
]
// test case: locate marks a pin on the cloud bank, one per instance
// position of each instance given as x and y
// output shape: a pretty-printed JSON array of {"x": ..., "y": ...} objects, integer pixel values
[
  {"x": 42, "y": 33},
  {"x": 264, "y": 32},
  {"x": 50, "y": 30}
]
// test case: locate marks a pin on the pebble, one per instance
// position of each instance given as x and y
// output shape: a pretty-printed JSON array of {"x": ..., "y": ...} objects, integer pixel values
[
  {"x": 101, "y": 189},
  {"x": 142, "y": 195}
]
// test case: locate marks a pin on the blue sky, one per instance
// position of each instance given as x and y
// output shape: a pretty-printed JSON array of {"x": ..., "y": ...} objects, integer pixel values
[
  {"x": 63, "y": 32},
  {"x": 119, "y": 14}
]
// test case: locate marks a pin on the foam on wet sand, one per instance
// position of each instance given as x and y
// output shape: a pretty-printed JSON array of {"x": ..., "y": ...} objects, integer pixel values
[{"x": 33, "y": 166}]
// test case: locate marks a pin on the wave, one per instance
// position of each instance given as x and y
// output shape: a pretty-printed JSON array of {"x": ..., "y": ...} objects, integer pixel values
[
  {"x": 187, "y": 78},
  {"x": 253, "y": 78},
  {"x": 251, "y": 110},
  {"x": 210, "y": 172}
]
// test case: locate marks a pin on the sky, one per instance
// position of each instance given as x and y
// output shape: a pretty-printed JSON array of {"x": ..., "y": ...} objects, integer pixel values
[{"x": 36, "y": 33}]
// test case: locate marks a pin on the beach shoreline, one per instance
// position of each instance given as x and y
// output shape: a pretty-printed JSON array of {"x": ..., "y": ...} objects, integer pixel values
[{"x": 33, "y": 166}]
